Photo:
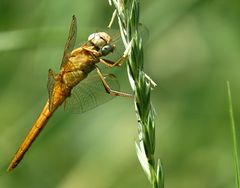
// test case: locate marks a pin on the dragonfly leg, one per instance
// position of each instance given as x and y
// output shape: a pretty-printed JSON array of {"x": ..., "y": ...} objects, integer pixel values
[
  {"x": 110, "y": 63},
  {"x": 108, "y": 89}
]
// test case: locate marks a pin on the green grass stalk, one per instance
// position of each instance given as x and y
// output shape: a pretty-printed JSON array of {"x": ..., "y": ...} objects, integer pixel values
[
  {"x": 127, "y": 12},
  {"x": 234, "y": 136}
]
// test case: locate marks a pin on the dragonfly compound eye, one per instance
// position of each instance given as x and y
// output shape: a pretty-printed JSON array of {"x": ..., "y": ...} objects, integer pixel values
[
  {"x": 99, "y": 39},
  {"x": 105, "y": 50}
]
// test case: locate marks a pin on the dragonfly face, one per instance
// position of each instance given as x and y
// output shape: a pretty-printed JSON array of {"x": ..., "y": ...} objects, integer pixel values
[
  {"x": 102, "y": 41},
  {"x": 99, "y": 39},
  {"x": 105, "y": 50}
]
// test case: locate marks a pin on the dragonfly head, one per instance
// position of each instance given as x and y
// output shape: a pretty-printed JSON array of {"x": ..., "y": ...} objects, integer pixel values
[{"x": 102, "y": 41}]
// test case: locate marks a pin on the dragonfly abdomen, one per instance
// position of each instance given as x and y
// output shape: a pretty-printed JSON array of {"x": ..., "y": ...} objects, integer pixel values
[{"x": 31, "y": 136}]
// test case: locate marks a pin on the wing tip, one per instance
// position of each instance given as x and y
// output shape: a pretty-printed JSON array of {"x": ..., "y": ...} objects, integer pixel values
[{"x": 74, "y": 17}]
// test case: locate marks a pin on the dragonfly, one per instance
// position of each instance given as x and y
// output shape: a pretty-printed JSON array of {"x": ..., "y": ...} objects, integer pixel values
[{"x": 74, "y": 70}]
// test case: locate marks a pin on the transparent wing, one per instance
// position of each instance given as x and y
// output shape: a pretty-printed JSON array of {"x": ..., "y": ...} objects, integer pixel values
[
  {"x": 50, "y": 87},
  {"x": 70, "y": 41},
  {"x": 144, "y": 32},
  {"x": 90, "y": 93},
  {"x": 117, "y": 40}
]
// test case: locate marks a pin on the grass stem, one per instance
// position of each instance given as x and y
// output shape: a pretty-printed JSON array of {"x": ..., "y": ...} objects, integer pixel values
[
  {"x": 127, "y": 13},
  {"x": 234, "y": 136}
]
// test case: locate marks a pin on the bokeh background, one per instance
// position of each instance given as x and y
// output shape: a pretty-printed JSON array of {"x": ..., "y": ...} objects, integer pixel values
[{"x": 193, "y": 48}]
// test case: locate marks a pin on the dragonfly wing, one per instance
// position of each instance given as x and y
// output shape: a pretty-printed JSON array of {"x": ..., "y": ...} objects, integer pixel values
[
  {"x": 90, "y": 93},
  {"x": 70, "y": 41},
  {"x": 50, "y": 86}
]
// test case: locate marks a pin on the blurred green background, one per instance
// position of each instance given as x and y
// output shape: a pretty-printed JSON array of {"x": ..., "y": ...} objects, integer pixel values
[{"x": 192, "y": 50}]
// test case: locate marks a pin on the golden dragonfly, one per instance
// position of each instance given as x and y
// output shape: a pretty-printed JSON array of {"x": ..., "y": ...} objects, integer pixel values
[{"x": 75, "y": 67}]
